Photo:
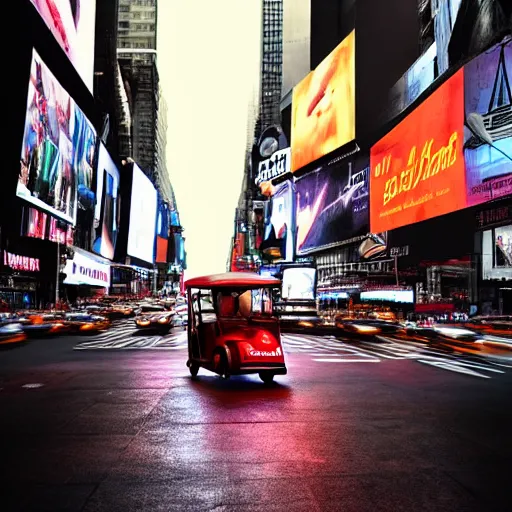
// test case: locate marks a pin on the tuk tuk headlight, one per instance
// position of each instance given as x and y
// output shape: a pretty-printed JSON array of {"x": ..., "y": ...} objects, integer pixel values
[{"x": 164, "y": 320}]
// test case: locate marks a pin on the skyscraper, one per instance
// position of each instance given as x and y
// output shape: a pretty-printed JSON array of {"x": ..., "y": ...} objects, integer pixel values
[
  {"x": 272, "y": 63},
  {"x": 143, "y": 121},
  {"x": 296, "y": 42}
]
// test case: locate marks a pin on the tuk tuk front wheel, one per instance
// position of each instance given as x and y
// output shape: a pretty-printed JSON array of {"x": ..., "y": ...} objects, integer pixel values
[
  {"x": 266, "y": 377},
  {"x": 220, "y": 363},
  {"x": 194, "y": 369}
]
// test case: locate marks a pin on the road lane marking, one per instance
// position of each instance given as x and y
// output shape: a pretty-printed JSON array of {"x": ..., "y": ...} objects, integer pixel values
[{"x": 347, "y": 360}]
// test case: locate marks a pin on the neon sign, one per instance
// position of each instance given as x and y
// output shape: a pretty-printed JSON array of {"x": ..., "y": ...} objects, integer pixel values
[{"x": 24, "y": 263}]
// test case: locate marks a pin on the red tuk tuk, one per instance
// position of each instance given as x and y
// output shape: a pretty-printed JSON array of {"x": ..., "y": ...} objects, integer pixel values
[{"x": 231, "y": 328}]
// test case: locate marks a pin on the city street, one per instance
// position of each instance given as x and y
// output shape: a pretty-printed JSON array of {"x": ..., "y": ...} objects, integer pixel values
[{"x": 114, "y": 422}]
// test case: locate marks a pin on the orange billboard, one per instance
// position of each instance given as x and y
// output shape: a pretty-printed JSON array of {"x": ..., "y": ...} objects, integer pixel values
[
  {"x": 323, "y": 106},
  {"x": 417, "y": 169}
]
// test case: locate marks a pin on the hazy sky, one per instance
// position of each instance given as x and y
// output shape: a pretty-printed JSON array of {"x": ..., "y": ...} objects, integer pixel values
[{"x": 208, "y": 60}]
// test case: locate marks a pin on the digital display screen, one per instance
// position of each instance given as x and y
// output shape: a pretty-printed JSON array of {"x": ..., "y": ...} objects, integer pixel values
[
  {"x": 59, "y": 143},
  {"x": 162, "y": 231},
  {"x": 417, "y": 169},
  {"x": 332, "y": 205},
  {"x": 279, "y": 224},
  {"x": 323, "y": 106},
  {"x": 404, "y": 296},
  {"x": 298, "y": 283},
  {"x": 503, "y": 247},
  {"x": 107, "y": 211},
  {"x": 268, "y": 271},
  {"x": 143, "y": 206},
  {"x": 175, "y": 218},
  {"x": 488, "y": 101},
  {"x": 72, "y": 23}
]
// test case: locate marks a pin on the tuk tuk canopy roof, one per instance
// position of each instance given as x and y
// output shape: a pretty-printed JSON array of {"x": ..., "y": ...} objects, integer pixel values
[{"x": 232, "y": 280}]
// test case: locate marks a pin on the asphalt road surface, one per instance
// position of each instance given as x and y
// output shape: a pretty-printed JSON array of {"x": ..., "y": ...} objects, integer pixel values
[{"x": 114, "y": 423}]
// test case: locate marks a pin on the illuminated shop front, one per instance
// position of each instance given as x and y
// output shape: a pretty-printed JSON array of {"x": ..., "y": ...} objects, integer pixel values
[
  {"x": 494, "y": 238},
  {"x": 27, "y": 274}
]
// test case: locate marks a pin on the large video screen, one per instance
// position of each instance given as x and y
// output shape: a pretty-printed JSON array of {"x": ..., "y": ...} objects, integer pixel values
[
  {"x": 279, "y": 224},
  {"x": 107, "y": 211},
  {"x": 143, "y": 206},
  {"x": 57, "y": 154},
  {"x": 488, "y": 133},
  {"x": 403, "y": 296},
  {"x": 298, "y": 283},
  {"x": 332, "y": 205},
  {"x": 417, "y": 169},
  {"x": 323, "y": 106},
  {"x": 72, "y": 23},
  {"x": 162, "y": 231}
]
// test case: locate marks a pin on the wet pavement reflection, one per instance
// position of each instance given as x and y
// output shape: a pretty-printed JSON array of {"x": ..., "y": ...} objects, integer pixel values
[{"x": 126, "y": 429}]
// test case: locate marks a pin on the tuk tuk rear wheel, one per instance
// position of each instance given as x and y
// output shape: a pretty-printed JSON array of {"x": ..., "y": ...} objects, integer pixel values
[
  {"x": 194, "y": 369},
  {"x": 266, "y": 377}
]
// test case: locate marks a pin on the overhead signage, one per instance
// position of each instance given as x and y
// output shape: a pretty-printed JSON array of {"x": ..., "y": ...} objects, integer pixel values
[
  {"x": 82, "y": 270},
  {"x": 24, "y": 263},
  {"x": 399, "y": 251},
  {"x": 277, "y": 165},
  {"x": 494, "y": 216}
]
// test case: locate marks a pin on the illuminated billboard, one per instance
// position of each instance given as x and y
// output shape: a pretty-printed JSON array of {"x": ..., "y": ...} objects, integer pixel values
[
  {"x": 298, "y": 283},
  {"x": 143, "y": 206},
  {"x": 488, "y": 135},
  {"x": 107, "y": 212},
  {"x": 279, "y": 222},
  {"x": 332, "y": 205},
  {"x": 58, "y": 149},
  {"x": 72, "y": 23},
  {"x": 162, "y": 231},
  {"x": 323, "y": 106},
  {"x": 417, "y": 169}
]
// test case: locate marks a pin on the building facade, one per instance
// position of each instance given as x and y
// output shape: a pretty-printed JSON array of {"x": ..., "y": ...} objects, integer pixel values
[{"x": 375, "y": 245}]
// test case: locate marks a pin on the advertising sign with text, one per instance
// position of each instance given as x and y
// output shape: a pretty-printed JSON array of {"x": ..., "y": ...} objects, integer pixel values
[
  {"x": 417, "y": 169},
  {"x": 488, "y": 143}
]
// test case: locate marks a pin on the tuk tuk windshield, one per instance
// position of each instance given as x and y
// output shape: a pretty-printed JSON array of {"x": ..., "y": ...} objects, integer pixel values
[{"x": 244, "y": 303}]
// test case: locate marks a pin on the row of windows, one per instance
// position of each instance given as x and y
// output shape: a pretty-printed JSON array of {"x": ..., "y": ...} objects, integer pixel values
[
  {"x": 144, "y": 2},
  {"x": 136, "y": 44},
  {"x": 273, "y": 46},
  {"x": 272, "y": 59},
  {"x": 273, "y": 36},
  {"x": 137, "y": 27},
  {"x": 272, "y": 68},
  {"x": 130, "y": 15}
]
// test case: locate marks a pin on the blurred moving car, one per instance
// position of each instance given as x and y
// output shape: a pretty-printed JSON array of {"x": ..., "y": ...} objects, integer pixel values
[
  {"x": 442, "y": 333},
  {"x": 11, "y": 332},
  {"x": 84, "y": 323},
  {"x": 371, "y": 324},
  {"x": 154, "y": 317},
  {"x": 37, "y": 324},
  {"x": 493, "y": 325}
]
